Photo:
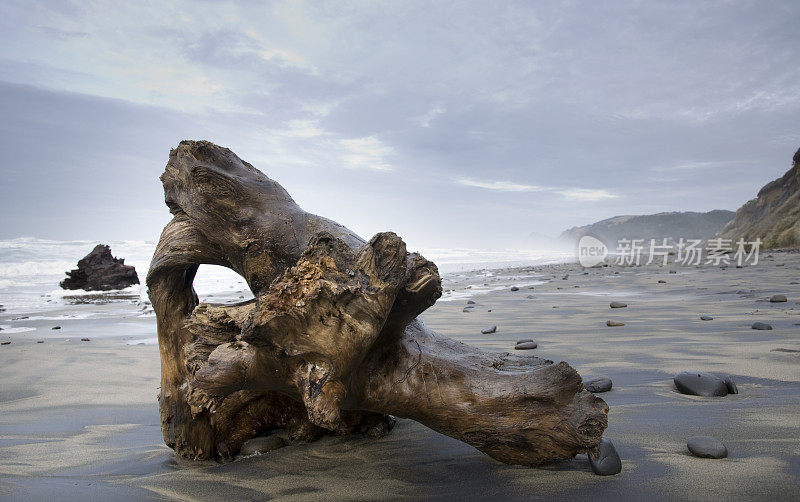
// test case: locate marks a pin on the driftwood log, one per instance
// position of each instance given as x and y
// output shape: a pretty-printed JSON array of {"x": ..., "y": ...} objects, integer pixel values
[{"x": 330, "y": 343}]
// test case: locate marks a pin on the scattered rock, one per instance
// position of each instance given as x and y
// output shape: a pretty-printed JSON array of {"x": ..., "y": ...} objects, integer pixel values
[
  {"x": 40, "y": 341},
  {"x": 100, "y": 271},
  {"x": 468, "y": 308},
  {"x": 528, "y": 345},
  {"x": 5, "y": 343},
  {"x": 761, "y": 325},
  {"x": 85, "y": 340},
  {"x": 706, "y": 318},
  {"x": 565, "y": 277},
  {"x": 601, "y": 384},
  {"x": 613, "y": 324},
  {"x": 606, "y": 461},
  {"x": 673, "y": 271},
  {"x": 530, "y": 297},
  {"x": 778, "y": 299},
  {"x": 56, "y": 327},
  {"x": 514, "y": 288},
  {"x": 700, "y": 384},
  {"x": 489, "y": 330},
  {"x": 661, "y": 281},
  {"x": 470, "y": 302},
  {"x": 263, "y": 444},
  {"x": 785, "y": 350},
  {"x": 730, "y": 384},
  {"x": 706, "y": 447},
  {"x": 618, "y": 305}
]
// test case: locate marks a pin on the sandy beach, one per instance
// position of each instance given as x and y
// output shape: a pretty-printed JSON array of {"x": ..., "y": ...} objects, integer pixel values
[{"x": 79, "y": 420}]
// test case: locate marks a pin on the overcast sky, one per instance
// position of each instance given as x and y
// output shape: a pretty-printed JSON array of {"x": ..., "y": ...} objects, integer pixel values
[{"x": 454, "y": 124}]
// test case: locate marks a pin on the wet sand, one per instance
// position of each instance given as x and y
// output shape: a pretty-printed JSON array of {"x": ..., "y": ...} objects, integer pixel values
[{"x": 79, "y": 420}]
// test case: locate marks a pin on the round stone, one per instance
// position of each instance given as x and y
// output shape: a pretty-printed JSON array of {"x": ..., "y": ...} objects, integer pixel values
[
  {"x": 706, "y": 318},
  {"x": 514, "y": 288},
  {"x": 262, "y": 444},
  {"x": 761, "y": 326},
  {"x": 700, "y": 384},
  {"x": 614, "y": 323},
  {"x": 489, "y": 330},
  {"x": 606, "y": 461},
  {"x": 778, "y": 299},
  {"x": 706, "y": 447},
  {"x": 601, "y": 384},
  {"x": 618, "y": 305},
  {"x": 525, "y": 345}
]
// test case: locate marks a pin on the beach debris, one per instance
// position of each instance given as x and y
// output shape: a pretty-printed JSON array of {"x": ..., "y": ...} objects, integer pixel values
[
  {"x": 618, "y": 305},
  {"x": 85, "y": 340},
  {"x": 761, "y": 326},
  {"x": 614, "y": 324},
  {"x": 5, "y": 343},
  {"x": 355, "y": 345},
  {"x": 514, "y": 288},
  {"x": 606, "y": 461},
  {"x": 601, "y": 384},
  {"x": 778, "y": 299},
  {"x": 706, "y": 447},
  {"x": 56, "y": 327},
  {"x": 489, "y": 330},
  {"x": 470, "y": 302},
  {"x": 706, "y": 318},
  {"x": 261, "y": 444},
  {"x": 700, "y": 384},
  {"x": 100, "y": 271},
  {"x": 40, "y": 341},
  {"x": 662, "y": 281}
]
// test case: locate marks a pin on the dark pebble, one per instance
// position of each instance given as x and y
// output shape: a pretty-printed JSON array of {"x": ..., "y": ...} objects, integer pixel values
[
  {"x": 661, "y": 281},
  {"x": 489, "y": 331},
  {"x": 470, "y": 302},
  {"x": 525, "y": 345},
  {"x": 5, "y": 343},
  {"x": 40, "y": 341},
  {"x": 706, "y": 318},
  {"x": 700, "y": 384},
  {"x": 606, "y": 461},
  {"x": 618, "y": 305},
  {"x": 761, "y": 326},
  {"x": 706, "y": 447},
  {"x": 778, "y": 299},
  {"x": 614, "y": 323},
  {"x": 56, "y": 327},
  {"x": 514, "y": 288},
  {"x": 601, "y": 384},
  {"x": 259, "y": 445},
  {"x": 467, "y": 309},
  {"x": 85, "y": 340},
  {"x": 732, "y": 388}
]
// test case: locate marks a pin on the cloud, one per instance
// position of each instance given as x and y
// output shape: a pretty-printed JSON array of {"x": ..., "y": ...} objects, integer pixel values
[
  {"x": 503, "y": 186},
  {"x": 581, "y": 194},
  {"x": 585, "y": 194},
  {"x": 425, "y": 120},
  {"x": 366, "y": 153}
]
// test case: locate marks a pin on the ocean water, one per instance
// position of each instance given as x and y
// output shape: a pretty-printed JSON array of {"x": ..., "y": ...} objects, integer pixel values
[{"x": 31, "y": 269}]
